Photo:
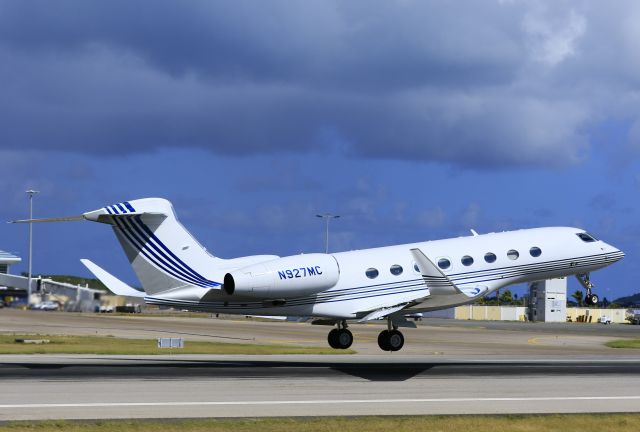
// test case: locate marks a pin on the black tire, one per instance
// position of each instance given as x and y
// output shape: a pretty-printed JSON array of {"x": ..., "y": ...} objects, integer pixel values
[
  {"x": 396, "y": 340},
  {"x": 332, "y": 338},
  {"x": 383, "y": 340},
  {"x": 594, "y": 299},
  {"x": 344, "y": 339}
]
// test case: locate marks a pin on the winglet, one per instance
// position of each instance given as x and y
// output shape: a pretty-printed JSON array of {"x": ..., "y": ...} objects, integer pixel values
[
  {"x": 114, "y": 284},
  {"x": 438, "y": 283}
]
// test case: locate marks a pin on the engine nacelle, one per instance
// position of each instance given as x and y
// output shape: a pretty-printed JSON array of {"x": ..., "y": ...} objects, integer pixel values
[{"x": 288, "y": 277}]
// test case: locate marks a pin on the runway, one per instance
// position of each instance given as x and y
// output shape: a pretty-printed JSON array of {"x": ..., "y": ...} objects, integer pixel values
[
  {"x": 83, "y": 387},
  {"x": 442, "y": 337},
  {"x": 446, "y": 367}
]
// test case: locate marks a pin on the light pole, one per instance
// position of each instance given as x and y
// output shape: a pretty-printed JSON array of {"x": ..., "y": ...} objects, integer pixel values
[
  {"x": 31, "y": 193},
  {"x": 327, "y": 217}
]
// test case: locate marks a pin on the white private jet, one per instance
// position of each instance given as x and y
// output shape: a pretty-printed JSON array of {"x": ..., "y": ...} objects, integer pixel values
[{"x": 362, "y": 285}]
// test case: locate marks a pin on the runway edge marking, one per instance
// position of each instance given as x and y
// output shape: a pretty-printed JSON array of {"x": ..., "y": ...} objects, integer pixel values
[{"x": 321, "y": 401}]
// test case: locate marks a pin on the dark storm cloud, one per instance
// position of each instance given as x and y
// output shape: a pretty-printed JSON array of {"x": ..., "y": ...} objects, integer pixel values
[
  {"x": 484, "y": 85},
  {"x": 282, "y": 41}
]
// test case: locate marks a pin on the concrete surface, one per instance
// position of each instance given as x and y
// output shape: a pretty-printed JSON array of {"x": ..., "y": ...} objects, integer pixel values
[{"x": 447, "y": 368}]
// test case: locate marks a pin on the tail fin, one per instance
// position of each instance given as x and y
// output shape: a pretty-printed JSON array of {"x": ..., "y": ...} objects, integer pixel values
[{"x": 163, "y": 254}]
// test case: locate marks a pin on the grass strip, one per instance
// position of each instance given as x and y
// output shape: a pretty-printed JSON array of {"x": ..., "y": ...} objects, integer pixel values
[
  {"x": 123, "y": 346},
  {"x": 624, "y": 343},
  {"x": 492, "y": 423}
]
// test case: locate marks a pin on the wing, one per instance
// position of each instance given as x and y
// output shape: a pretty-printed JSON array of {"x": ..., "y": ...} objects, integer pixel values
[
  {"x": 114, "y": 284},
  {"x": 398, "y": 303}
]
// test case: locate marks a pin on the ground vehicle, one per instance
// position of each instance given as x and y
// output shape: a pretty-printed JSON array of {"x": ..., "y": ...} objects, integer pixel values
[
  {"x": 604, "y": 320},
  {"x": 47, "y": 306},
  {"x": 633, "y": 316}
]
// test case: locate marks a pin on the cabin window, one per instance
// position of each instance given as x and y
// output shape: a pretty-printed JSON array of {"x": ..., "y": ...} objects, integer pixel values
[
  {"x": 416, "y": 268},
  {"x": 587, "y": 238},
  {"x": 467, "y": 260},
  {"x": 372, "y": 273},
  {"x": 490, "y": 257},
  {"x": 535, "y": 251},
  {"x": 513, "y": 254},
  {"x": 396, "y": 269},
  {"x": 444, "y": 263}
]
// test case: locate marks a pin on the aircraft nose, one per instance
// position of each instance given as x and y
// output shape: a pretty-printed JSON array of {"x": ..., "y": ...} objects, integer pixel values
[{"x": 614, "y": 254}]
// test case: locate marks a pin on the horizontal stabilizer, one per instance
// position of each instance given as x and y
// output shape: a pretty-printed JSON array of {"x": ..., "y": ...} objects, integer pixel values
[
  {"x": 57, "y": 219},
  {"x": 114, "y": 284}
]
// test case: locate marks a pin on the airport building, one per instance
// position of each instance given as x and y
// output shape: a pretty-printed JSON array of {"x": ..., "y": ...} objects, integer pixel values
[
  {"x": 14, "y": 288},
  {"x": 7, "y": 260}
]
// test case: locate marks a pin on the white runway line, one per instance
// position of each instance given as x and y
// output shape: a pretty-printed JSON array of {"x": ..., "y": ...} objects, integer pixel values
[{"x": 318, "y": 402}]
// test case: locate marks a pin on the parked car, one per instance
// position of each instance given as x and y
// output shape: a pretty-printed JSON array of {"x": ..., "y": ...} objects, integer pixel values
[
  {"x": 106, "y": 309},
  {"x": 47, "y": 306}
]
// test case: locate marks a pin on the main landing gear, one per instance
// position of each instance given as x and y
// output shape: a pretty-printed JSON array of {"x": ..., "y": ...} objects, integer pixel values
[
  {"x": 340, "y": 338},
  {"x": 590, "y": 299},
  {"x": 390, "y": 339}
]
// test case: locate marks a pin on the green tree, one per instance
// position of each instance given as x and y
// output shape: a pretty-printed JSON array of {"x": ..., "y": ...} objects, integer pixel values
[
  {"x": 578, "y": 297},
  {"x": 506, "y": 297}
]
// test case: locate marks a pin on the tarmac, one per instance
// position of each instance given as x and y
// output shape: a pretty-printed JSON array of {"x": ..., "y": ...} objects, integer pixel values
[{"x": 446, "y": 367}]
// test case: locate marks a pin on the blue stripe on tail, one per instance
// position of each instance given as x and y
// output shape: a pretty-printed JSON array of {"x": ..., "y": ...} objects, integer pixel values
[{"x": 142, "y": 239}]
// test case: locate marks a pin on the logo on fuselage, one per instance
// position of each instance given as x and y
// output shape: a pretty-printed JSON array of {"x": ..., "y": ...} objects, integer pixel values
[{"x": 299, "y": 272}]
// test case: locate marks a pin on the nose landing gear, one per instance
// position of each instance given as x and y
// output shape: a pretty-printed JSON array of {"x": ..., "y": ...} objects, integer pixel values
[
  {"x": 590, "y": 299},
  {"x": 340, "y": 338},
  {"x": 390, "y": 339}
]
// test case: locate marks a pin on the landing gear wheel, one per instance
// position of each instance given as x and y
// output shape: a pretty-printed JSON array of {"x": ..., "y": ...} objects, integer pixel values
[
  {"x": 383, "y": 340},
  {"x": 340, "y": 338},
  {"x": 396, "y": 340},
  {"x": 390, "y": 340},
  {"x": 590, "y": 299},
  {"x": 345, "y": 338},
  {"x": 332, "y": 338}
]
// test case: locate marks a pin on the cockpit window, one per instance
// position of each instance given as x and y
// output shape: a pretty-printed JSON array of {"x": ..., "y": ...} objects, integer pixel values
[{"x": 587, "y": 238}]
